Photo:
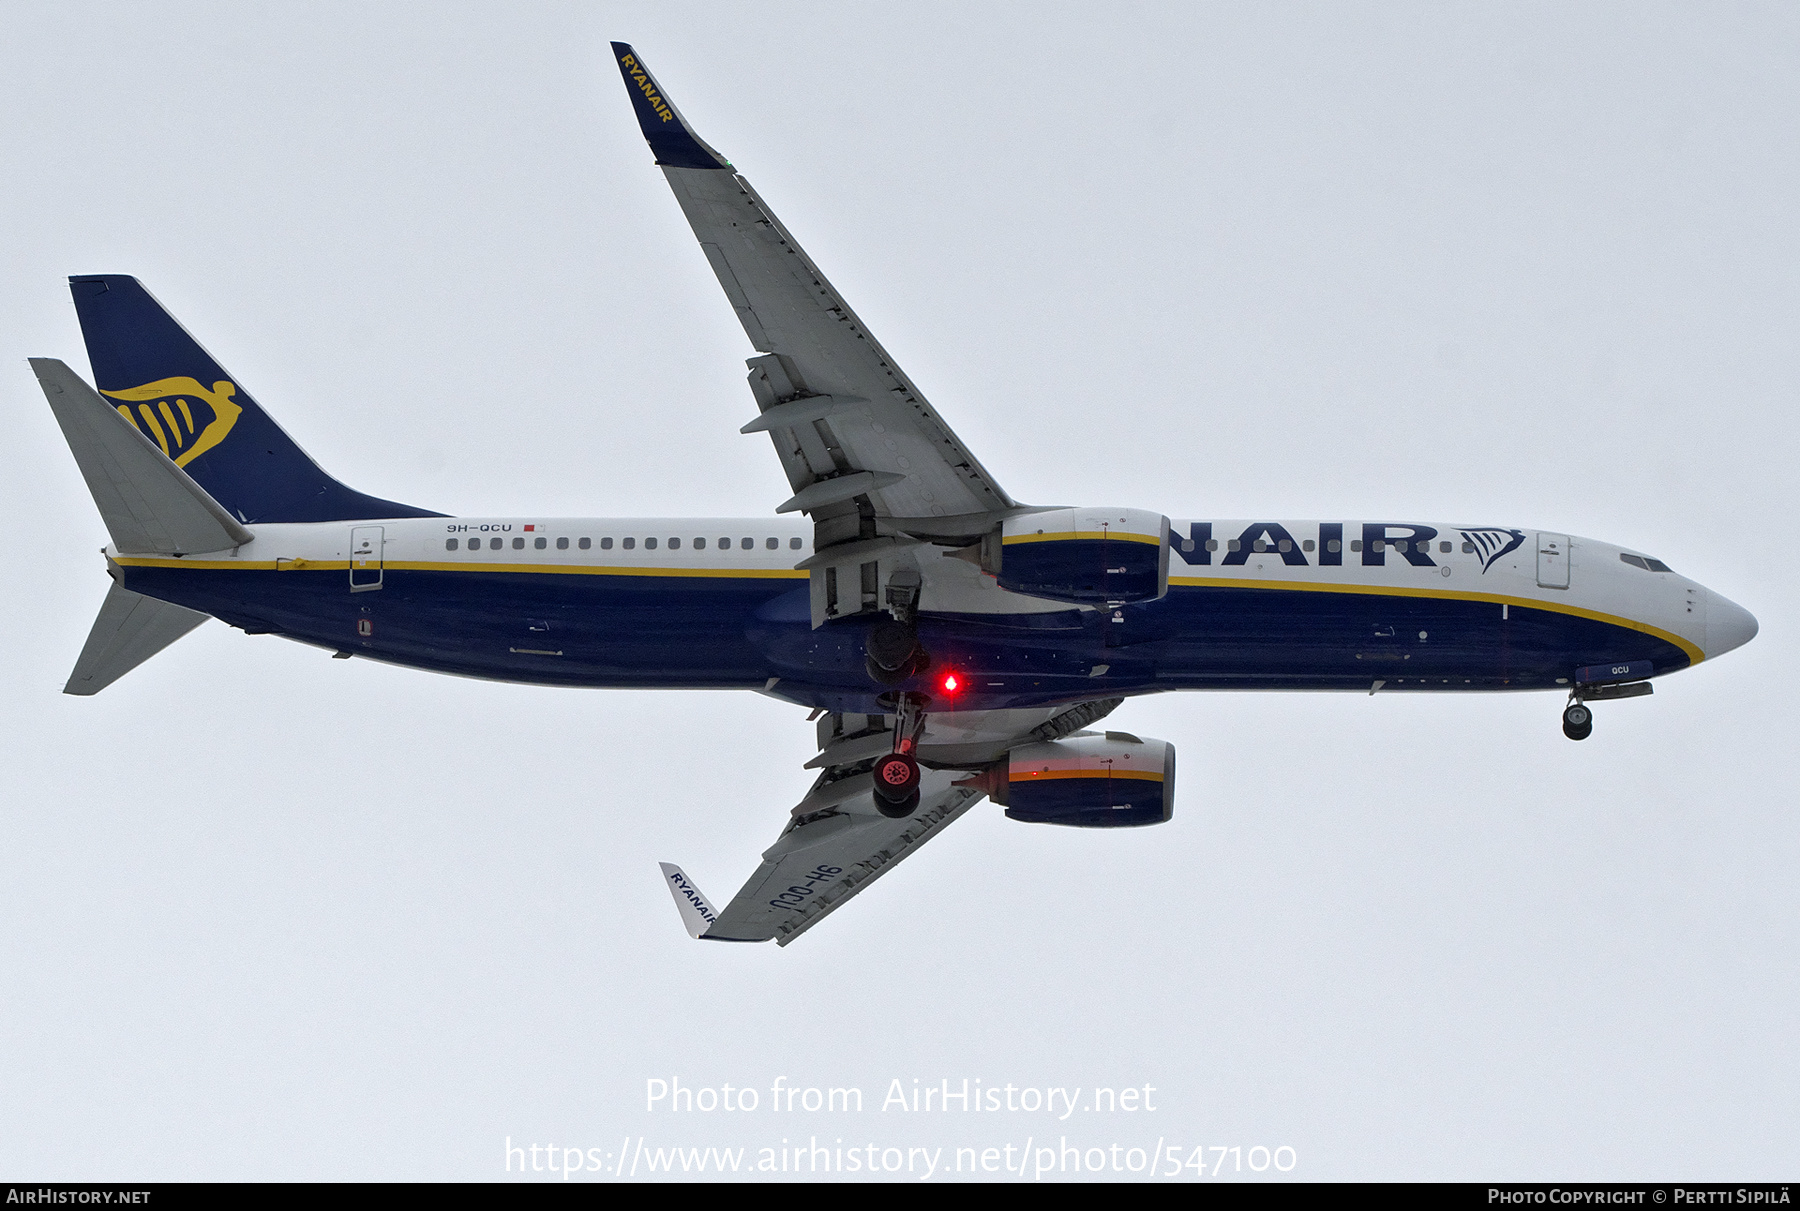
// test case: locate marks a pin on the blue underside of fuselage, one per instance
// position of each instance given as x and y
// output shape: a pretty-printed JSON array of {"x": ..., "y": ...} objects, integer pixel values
[{"x": 738, "y": 633}]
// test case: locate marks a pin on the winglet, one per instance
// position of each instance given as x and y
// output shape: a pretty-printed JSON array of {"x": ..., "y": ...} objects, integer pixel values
[
  {"x": 668, "y": 133},
  {"x": 697, "y": 913}
]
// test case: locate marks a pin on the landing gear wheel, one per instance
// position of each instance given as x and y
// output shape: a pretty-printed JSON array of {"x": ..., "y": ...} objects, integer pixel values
[
  {"x": 896, "y": 786},
  {"x": 1578, "y": 722},
  {"x": 893, "y": 653},
  {"x": 900, "y": 810}
]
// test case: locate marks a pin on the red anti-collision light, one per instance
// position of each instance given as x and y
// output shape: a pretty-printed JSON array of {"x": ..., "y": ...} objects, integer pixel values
[{"x": 950, "y": 683}]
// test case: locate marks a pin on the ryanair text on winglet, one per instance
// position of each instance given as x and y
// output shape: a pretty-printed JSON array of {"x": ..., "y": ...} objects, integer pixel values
[
  {"x": 649, "y": 90},
  {"x": 689, "y": 892}
]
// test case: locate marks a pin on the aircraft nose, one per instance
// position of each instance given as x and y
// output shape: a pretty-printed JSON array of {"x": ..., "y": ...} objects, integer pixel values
[{"x": 1728, "y": 625}]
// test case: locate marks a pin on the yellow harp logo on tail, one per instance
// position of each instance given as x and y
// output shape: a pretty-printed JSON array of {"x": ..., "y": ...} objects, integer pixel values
[{"x": 183, "y": 417}]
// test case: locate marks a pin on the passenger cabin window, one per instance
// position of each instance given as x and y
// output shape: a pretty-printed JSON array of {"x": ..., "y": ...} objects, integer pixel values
[
  {"x": 746, "y": 544},
  {"x": 1284, "y": 546},
  {"x": 649, "y": 544},
  {"x": 450, "y": 544},
  {"x": 562, "y": 544},
  {"x": 629, "y": 543},
  {"x": 1306, "y": 545},
  {"x": 1468, "y": 548},
  {"x": 793, "y": 544},
  {"x": 1443, "y": 548},
  {"x": 1212, "y": 544},
  {"x": 1334, "y": 546},
  {"x": 774, "y": 543},
  {"x": 518, "y": 544},
  {"x": 725, "y": 544},
  {"x": 541, "y": 543},
  {"x": 1356, "y": 544},
  {"x": 1233, "y": 544},
  {"x": 699, "y": 544},
  {"x": 1259, "y": 546},
  {"x": 674, "y": 544},
  {"x": 493, "y": 544}
]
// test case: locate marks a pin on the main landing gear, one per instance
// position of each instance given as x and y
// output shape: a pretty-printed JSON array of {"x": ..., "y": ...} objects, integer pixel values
[
  {"x": 1578, "y": 720},
  {"x": 893, "y": 654},
  {"x": 893, "y": 650},
  {"x": 897, "y": 774}
]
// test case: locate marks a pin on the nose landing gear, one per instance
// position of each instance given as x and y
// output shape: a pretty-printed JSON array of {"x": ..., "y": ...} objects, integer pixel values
[{"x": 1577, "y": 720}]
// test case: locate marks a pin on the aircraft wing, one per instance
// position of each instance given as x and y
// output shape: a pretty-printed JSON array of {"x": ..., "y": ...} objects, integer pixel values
[
  {"x": 822, "y": 858},
  {"x": 836, "y": 843},
  {"x": 845, "y": 419}
]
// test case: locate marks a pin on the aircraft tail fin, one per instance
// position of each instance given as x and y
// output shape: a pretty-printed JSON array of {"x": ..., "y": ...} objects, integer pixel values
[
  {"x": 150, "y": 505},
  {"x": 160, "y": 379},
  {"x": 131, "y": 628}
]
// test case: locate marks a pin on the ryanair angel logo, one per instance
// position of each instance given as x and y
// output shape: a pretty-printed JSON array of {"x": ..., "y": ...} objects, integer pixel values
[
  {"x": 184, "y": 418},
  {"x": 1491, "y": 542}
]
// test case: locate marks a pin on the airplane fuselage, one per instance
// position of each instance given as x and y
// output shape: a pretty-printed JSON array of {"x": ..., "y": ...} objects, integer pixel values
[{"x": 717, "y": 603}]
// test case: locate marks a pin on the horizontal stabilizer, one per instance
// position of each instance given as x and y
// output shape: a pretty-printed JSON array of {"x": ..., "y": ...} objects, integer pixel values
[
  {"x": 150, "y": 505},
  {"x": 131, "y": 629}
]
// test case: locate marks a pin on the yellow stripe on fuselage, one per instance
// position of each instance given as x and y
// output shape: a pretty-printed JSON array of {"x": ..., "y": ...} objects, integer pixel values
[
  {"x": 1694, "y": 654},
  {"x": 398, "y": 565},
  {"x": 1053, "y": 774},
  {"x": 1152, "y": 540}
]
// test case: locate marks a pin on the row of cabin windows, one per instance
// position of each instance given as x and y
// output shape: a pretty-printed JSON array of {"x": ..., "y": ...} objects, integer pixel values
[
  {"x": 562, "y": 544},
  {"x": 1334, "y": 546}
]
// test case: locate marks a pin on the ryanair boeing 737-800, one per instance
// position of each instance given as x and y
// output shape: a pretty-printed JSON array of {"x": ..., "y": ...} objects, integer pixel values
[{"x": 952, "y": 643}]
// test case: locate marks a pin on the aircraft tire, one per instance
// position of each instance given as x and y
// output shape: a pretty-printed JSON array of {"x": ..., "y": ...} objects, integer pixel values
[
  {"x": 900, "y": 810},
  {"x": 896, "y": 785},
  {"x": 1578, "y": 722},
  {"x": 893, "y": 653}
]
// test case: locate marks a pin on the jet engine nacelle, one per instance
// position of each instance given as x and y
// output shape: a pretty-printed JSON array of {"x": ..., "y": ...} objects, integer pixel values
[
  {"x": 1086, "y": 555},
  {"x": 1087, "y": 780}
]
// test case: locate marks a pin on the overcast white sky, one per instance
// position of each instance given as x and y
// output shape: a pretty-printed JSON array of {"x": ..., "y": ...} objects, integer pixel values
[{"x": 265, "y": 914}]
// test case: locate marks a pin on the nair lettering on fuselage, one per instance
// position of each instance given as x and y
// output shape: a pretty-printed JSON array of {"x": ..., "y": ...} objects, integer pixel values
[
  {"x": 648, "y": 89},
  {"x": 1410, "y": 541}
]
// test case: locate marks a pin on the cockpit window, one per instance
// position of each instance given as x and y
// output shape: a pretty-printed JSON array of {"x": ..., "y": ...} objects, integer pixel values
[{"x": 1649, "y": 565}]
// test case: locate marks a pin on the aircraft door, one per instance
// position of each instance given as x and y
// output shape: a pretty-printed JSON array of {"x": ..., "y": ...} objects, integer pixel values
[
  {"x": 365, "y": 558},
  {"x": 1553, "y": 561}
]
